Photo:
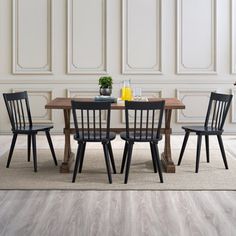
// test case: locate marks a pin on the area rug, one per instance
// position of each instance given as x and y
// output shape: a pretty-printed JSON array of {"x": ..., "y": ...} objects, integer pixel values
[{"x": 211, "y": 176}]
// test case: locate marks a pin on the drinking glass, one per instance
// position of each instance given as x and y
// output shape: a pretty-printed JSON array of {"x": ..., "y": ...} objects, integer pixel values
[
  {"x": 137, "y": 93},
  {"x": 126, "y": 91}
]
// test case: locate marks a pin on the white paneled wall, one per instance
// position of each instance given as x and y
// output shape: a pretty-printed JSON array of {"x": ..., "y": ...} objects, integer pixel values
[
  {"x": 141, "y": 36},
  {"x": 169, "y": 48},
  {"x": 196, "y": 36},
  {"x": 86, "y": 36},
  {"x": 190, "y": 97},
  {"x": 32, "y": 36},
  {"x": 233, "y": 37}
]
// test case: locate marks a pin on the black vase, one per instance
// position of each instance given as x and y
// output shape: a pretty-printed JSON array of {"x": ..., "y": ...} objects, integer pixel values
[{"x": 105, "y": 91}]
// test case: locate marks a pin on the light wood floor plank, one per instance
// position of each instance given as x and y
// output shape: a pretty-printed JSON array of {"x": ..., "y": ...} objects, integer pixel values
[{"x": 117, "y": 213}]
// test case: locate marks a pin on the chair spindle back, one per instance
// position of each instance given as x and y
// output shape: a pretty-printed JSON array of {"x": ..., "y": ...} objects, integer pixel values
[
  {"x": 91, "y": 119},
  {"x": 144, "y": 119},
  {"x": 18, "y": 109},
  {"x": 218, "y": 108}
]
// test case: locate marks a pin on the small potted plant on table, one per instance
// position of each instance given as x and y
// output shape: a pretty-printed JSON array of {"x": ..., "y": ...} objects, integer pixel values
[{"x": 105, "y": 85}]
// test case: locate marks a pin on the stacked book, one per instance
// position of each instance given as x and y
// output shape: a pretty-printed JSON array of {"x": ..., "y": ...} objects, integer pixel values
[{"x": 101, "y": 98}]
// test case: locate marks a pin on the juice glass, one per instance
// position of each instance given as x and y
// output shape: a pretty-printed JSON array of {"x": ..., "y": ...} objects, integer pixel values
[{"x": 126, "y": 92}]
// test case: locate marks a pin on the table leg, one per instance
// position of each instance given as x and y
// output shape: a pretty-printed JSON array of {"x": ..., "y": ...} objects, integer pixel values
[
  {"x": 166, "y": 159},
  {"x": 68, "y": 155}
]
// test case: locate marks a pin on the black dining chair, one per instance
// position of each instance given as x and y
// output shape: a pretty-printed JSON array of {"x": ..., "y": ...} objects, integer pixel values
[
  {"x": 18, "y": 109},
  {"x": 143, "y": 124},
  {"x": 218, "y": 108},
  {"x": 92, "y": 124}
]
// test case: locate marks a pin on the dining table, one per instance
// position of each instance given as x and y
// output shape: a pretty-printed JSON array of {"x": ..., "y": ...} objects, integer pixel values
[{"x": 64, "y": 104}]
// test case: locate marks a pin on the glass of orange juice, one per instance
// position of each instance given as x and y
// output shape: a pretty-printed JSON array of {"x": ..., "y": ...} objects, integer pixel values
[{"x": 126, "y": 92}]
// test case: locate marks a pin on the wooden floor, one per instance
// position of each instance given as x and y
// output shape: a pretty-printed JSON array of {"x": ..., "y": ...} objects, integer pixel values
[
  {"x": 123, "y": 213},
  {"x": 117, "y": 213}
]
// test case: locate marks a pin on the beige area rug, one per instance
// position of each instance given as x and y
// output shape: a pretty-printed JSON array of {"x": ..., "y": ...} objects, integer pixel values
[{"x": 211, "y": 176}]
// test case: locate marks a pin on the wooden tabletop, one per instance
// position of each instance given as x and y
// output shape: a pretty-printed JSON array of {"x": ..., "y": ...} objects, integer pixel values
[{"x": 65, "y": 103}]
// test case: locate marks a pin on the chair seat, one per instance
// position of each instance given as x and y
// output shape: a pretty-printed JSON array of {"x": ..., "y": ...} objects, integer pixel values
[
  {"x": 95, "y": 137},
  {"x": 203, "y": 130},
  {"x": 143, "y": 138},
  {"x": 32, "y": 129}
]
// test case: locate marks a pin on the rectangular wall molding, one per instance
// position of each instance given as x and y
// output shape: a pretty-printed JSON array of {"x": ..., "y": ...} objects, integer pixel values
[
  {"x": 233, "y": 106},
  {"x": 87, "y": 37},
  {"x": 233, "y": 37},
  {"x": 32, "y": 37},
  {"x": 196, "y": 37},
  {"x": 196, "y": 103},
  {"x": 81, "y": 93},
  {"x": 60, "y": 48},
  {"x": 141, "y": 37}
]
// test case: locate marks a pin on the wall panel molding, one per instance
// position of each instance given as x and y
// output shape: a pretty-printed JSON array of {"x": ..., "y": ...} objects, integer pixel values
[
  {"x": 87, "y": 37},
  {"x": 40, "y": 97},
  {"x": 32, "y": 37},
  {"x": 233, "y": 106},
  {"x": 196, "y": 37},
  {"x": 193, "y": 113},
  {"x": 81, "y": 93},
  {"x": 141, "y": 36},
  {"x": 45, "y": 46},
  {"x": 141, "y": 81},
  {"x": 233, "y": 37}
]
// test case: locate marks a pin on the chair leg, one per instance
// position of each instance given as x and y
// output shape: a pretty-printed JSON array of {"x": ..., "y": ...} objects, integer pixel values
[
  {"x": 51, "y": 147},
  {"x": 153, "y": 158},
  {"x": 130, "y": 149},
  {"x": 34, "y": 151},
  {"x": 199, "y": 142},
  {"x": 222, "y": 151},
  {"x": 29, "y": 146},
  {"x": 106, "y": 155},
  {"x": 78, "y": 156},
  {"x": 207, "y": 148},
  {"x": 157, "y": 156},
  {"x": 11, "y": 149},
  {"x": 183, "y": 147},
  {"x": 111, "y": 157},
  {"x": 124, "y": 158},
  {"x": 82, "y": 158}
]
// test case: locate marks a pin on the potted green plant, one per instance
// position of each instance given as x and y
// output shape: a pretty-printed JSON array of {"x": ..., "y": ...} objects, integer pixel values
[{"x": 105, "y": 83}]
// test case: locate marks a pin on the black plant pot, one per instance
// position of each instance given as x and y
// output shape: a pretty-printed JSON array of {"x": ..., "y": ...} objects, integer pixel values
[{"x": 105, "y": 91}]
